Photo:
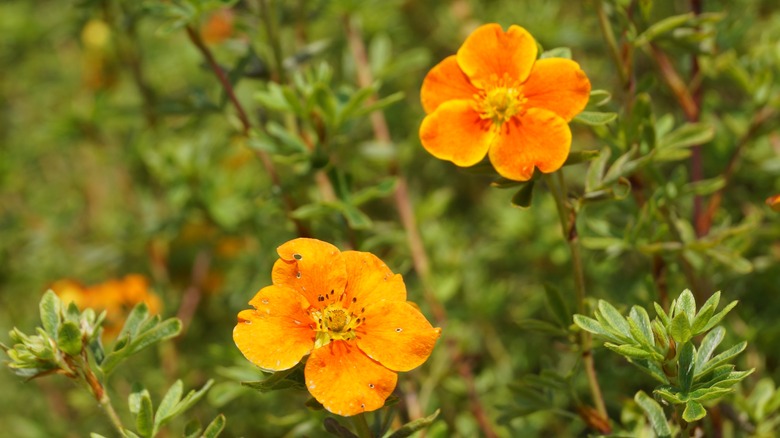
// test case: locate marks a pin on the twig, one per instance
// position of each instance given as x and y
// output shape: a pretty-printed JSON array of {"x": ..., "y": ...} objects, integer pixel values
[
  {"x": 568, "y": 218},
  {"x": 246, "y": 125},
  {"x": 194, "y": 292},
  {"x": 675, "y": 83}
]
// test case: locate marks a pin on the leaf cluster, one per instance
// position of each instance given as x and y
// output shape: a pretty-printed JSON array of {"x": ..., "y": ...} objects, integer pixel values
[{"x": 666, "y": 349}]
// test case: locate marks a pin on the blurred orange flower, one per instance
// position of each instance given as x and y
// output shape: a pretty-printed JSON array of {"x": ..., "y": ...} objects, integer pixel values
[
  {"x": 494, "y": 97},
  {"x": 218, "y": 27},
  {"x": 348, "y": 312},
  {"x": 116, "y": 296},
  {"x": 774, "y": 202}
]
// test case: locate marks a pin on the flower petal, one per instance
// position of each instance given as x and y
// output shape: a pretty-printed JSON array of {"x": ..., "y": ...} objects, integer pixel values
[
  {"x": 312, "y": 267},
  {"x": 455, "y": 132},
  {"x": 346, "y": 381},
  {"x": 369, "y": 280},
  {"x": 538, "y": 138},
  {"x": 396, "y": 334},
  {"x": 278, "y": 333},
  {"x": 558, "y": 85},
  {"x": 446, "y": 81},
  {"x": 489, "y": 53}
]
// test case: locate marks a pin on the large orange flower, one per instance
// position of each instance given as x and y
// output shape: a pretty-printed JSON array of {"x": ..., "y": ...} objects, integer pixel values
[
  {"x": 494, "y": 97},
  {"x": 348, "y": 312}
]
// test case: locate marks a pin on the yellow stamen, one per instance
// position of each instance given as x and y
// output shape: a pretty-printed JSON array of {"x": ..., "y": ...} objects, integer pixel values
[
  {"x": 501, "y": 100},
  {"x": 334, "y": 322}
]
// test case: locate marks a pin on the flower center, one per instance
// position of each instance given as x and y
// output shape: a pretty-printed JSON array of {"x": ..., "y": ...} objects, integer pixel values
[
  {"x": 334, "y": 322},
  {"x": 500, "y": 100}
]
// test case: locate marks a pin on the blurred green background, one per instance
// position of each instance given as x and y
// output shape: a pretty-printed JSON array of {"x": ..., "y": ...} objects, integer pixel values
[{"x": 119, "y": 154}]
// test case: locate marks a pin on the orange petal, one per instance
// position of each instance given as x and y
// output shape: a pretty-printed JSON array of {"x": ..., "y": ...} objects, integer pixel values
[
  {"x": 312, "y": 267},
  {"x": 558, "y": 85},
  {"x": 446, "y": 81},
  {"x": 397, "y": 335},
  {"x": 346, "y": 381},
  {"x": 455, "y": 132},
  {"x": 489, "y": 51},
  {"x": 278, "y": 333},
  {"x": 369, "y": 280},
  {"x": 538, "y": 138}
]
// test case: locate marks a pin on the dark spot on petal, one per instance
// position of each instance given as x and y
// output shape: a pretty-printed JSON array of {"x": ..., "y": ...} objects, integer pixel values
[
  {"x": 354, "y": 299},
  {"x": 297, "y": 256}
]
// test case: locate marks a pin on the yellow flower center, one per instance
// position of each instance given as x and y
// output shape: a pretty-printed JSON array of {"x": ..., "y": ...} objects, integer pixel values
[
  {"x": 501, "y": 100},
  {"x": 334, "y": 323}
]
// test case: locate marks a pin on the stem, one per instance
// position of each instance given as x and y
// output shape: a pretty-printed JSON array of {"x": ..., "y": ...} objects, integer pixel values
[
  {"x": 266, "y": 13},
  {"x": 361, "y": 426},
  {"x": 568, "y": 216},
  {"x": 101, "y": 395},
  {"x": 609, "y": 36}
]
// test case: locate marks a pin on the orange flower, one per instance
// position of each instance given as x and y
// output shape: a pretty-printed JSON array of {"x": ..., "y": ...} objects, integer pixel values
[
  {"x": 774, "y": 202},
  {"x": 348, "y": 312},
  {"x": 116, "y": 296},
  {"x": 494, "y": 97}
]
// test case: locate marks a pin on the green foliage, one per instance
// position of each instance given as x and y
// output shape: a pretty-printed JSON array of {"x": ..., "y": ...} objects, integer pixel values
[{"x": 689, "y": 375}]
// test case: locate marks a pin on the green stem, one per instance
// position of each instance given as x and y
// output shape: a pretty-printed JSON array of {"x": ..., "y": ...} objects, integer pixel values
[
  {"x": 361, "y": 426},
  {"x": 609, "y": 37},
  {"x": 567, "y": 216}
]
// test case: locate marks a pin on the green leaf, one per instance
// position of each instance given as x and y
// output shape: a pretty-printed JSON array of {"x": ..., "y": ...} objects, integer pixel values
[
  {"x": 708, "y": 394},
  {"x": 599, "y": 97},
  {"x": 614, "y": 319},
  {"x": 659, "y": 311},
  {"x": 134, "y": 399},
  {"x": 193, "y": 429},
  {"x": 632, "y": 351},
  {"x": 50, "y": 309},
  {"x": 715, "y": 320},
  {"x": 577, "y": 157},
  {"x": 668, "y": 393},
  {"x": 730, "y": 259},
  {"x": 557, "y": 52},
  {"x": 165, "y": 330},
  {"x": 96, "y": 435},
  {"x": 704, "y": 314},
  {"x": 333, "y": 427},
  {"x": 538, "y": 325},
  {"x": 356, "y": 219},
  {"x": 686, "y": 365},
  {"x": 381, "y": 190},
  {"x": 524, "y": 196},
  {"x": 708, "y": 346},
  {"x": 69, "y": 338},
  {"x": 596, "y": 170},
  {"x": 680, "y": 329},
  {"x": 168, "y": 403},
  {"x": 215, "y": 427},
  {"x": 144, "y": 421},
  {"x": 687, "y": 135},
  {"x": 641, "y": 322},
  {"x": 594, "y": 118},
  {"x": 654, "y": 413},
  {"x": 686, "y": 304},
  {"x": 593, "y": 326},
  {"x": 413, "y": 426},
  {"x": 693, "y": 411},
  {"x": 380, "y": 104},
  {"x": 723, "y": 357},
  {"x": 556, "y": 305},
  {"x": 137, "y": 316},
  {"x": 667, "y": 25},
  {"x": 190, "y": 399}
]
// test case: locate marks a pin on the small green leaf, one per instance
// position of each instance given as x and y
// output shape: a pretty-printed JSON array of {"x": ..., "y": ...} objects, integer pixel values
[
  {"x": 599, "y": 97},
  {"x": 596, "y": 170},
  {"x": 708, "y": 394},
  {"x": 669, "y": 394},
  {"x": 144, "y": 421},
  {"x": 641, "y": 321},
  {"x": 680, "y": 328},
  {"x": 593, "y": 326},
  {"x": 190, "y": 399},
  {"x": 659, "y": 311},
  {"x": 134, "y": 399},
  {"x": 137, "y": 316},
  {"x": 50, "y": 309},
  {"x": 538, "y": 325},
  {"x": 667, "y": 25},
  {"x": 686, "y": 365},
  {"x": 632, "y": 351},
  {"x": 215, "y": 427},
  {"x": 715, "y": 320},
  {"x": 413, "y": 426},
  {"x": 594, "y": 118},
  {"x": 687, "y": 135},
  {"x": 693, "y": 411},
  {"x": 193, "y": 429},
  {"x": 523, "y": 196},
  {"x": 69, "y": 338},
  {"x": 169, "y": 401},
  {"x": 165, "y": 330},
  {"x": 654, "y": 413},
  {"x": 333, "y": 427},
  {"x": 557, "y": 52},
  {"x": 686, "y": 304},
  {"x": 723, "y": 357},
  {"x": 577, "y": 157},
  {"x": 557, "y": 306},
  {"x": 614, "y": 319},
  {"x": 708, "y": 346}
]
